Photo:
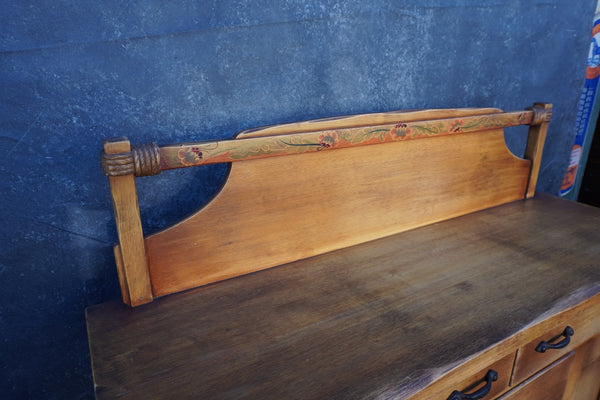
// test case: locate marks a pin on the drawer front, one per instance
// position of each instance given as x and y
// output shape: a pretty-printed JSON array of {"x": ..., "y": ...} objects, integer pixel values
[
  {"x": 588, "y": 383},
  {"x": 539, "y": 353},
  {"x": 591, "y": 351},
  {"x": 585, "y": 322},
  {"x": 466, "y": 379},
  {"x": 587, "y": 362},
  {"x": 542, "y": 351},
  {"x": 548, "y": 384}
]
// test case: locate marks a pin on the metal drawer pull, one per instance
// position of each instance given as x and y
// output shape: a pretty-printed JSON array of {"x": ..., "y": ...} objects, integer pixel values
[
  {"x": 490, "y": 377},
  {"x": 567, "y": 333}
]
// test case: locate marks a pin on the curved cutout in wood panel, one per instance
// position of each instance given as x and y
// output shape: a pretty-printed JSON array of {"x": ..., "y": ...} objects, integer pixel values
[{"x": 276, "y": 210}]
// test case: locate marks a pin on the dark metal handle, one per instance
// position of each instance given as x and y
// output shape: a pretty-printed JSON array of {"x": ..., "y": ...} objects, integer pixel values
[
  {"x": 490, "y": 377},
  {"x": 567, "y": 333}
]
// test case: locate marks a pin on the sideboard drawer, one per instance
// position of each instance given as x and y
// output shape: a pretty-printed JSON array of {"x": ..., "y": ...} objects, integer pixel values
[
  {"x": 587, "y": 385},
  {"x": 466, "y": 380},
  {"x": 542, "y": 351},
  {"x": 548, "y": 384}
]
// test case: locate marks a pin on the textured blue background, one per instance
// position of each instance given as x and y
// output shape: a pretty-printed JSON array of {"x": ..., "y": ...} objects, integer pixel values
[{"x": 75, "y": 72}]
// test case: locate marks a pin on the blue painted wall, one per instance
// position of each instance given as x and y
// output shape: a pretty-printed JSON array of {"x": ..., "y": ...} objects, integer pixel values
[{"x": 75, "y": 72}]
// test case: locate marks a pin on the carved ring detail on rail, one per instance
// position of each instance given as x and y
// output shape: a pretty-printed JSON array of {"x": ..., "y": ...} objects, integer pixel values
[
  {"x": 142, "y": 160},
  {"x": 540, "y": 115}
]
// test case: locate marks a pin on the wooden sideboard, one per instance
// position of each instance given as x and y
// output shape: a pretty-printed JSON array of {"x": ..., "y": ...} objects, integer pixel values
[
  {"x": 398, "y": 255},
  {"x": 415, "y": 315}
]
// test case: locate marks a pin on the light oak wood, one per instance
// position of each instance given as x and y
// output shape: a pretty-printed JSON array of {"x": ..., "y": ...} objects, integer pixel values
[
  {"x": 406, "y": 316},
  {"x": 535, "y": 145},
  {"x": 276, "y": 210},
  {"x": 372, "y": 298},
  {"x": 257, "y": 147},
  {"x": 362, "y": 193},
  {"x": 131, "y": 261},
  {"x": 548, "y": 384},
  {"x": 352, "y": 121},
  {"x": 585, "y": 373},
  {"x": 587, "y": 386},
  {"x": 578, "y": 309},
  {"x": 464, "y": 377},
  {"x": 529, "y": 361}
]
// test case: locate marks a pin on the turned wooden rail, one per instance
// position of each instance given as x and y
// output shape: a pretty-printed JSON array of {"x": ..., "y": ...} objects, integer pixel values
[
  {"x": 473, "y": 172},
  {"x": 150, "y": 159}
]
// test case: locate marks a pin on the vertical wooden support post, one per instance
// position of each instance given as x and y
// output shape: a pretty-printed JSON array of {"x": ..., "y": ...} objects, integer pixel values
[
  {"x": 535, "y": 143},
  {"x": 130, "y": 255}
]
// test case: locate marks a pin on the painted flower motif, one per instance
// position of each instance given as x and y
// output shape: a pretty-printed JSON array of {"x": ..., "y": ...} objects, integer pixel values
[
  {"x": 457, "y": 125},
  {"x": 189, "y": 156},
  {"x": 327, "y": 140},
  {"x": 400, "y": 130}
]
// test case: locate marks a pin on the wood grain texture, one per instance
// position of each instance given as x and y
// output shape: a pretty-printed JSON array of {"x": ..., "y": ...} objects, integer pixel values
[
  {"x": 535, "y": 145},
  {"x": 468, "y": 383},
  {"x": 352, "y": 121},
  {"x": 529, "y": 361},
  {"x": 586, "y": 372},
  {"x": 276, "y": 210},
  {"x": 244, "y": 149},
  {"x": 548, "y": 384},
  {"x": 384, "y": 319},
  {"x": 130, "y": 256},
  {"x": 588, "y": 385},
  {"x": 121, "y": 274}
]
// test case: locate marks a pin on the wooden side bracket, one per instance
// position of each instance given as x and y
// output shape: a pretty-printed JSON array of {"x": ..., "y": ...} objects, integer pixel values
[
  {"x": 542, "y": 114},
  {"x": 132, "y": 264}
]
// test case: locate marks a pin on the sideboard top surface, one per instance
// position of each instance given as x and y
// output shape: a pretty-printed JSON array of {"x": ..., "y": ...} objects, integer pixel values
[{"x": 376, "y": 320}]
